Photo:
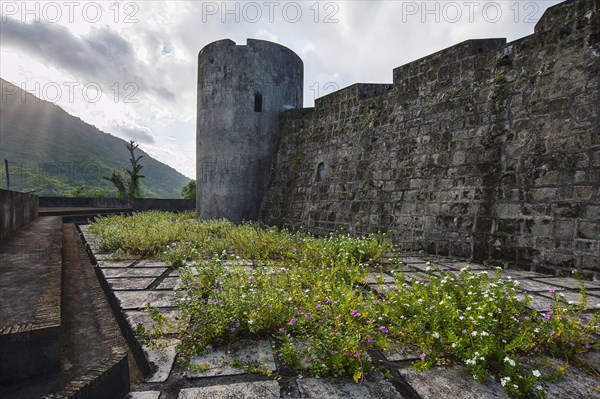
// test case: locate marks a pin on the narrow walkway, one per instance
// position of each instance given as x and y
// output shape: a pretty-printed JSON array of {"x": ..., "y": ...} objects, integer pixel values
[
  {"x": 91, "y": 356},
  {"x": 91, "y": 339},
  {"x": 30, "y": 284},
  {"x": 29, "y": 269}
]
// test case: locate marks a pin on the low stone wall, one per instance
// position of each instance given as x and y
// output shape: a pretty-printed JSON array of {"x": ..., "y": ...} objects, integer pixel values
[
  {"x": 17, "y": 209},
  {"x": 142, "y": 204}
]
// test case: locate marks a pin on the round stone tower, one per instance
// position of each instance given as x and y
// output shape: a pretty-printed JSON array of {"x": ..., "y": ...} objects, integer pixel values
[{"x": 241, "y": 91}]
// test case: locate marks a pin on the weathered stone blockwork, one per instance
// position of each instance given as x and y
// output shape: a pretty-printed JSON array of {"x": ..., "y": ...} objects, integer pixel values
[
  {"x": 17, "y": 210},
  {"x": 485, "y": 150}
]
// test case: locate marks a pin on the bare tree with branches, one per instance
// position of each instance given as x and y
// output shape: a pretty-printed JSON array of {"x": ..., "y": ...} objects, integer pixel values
[{"x": 129, "y": 185}]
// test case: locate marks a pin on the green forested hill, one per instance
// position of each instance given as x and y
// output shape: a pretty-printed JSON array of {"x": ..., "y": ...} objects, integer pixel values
[{"x": 54, "y": 153}]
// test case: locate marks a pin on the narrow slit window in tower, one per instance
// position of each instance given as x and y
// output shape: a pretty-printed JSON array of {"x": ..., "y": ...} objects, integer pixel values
[
  {"x": 257, "y": 102},
  {"x": 320, "y": 172}
]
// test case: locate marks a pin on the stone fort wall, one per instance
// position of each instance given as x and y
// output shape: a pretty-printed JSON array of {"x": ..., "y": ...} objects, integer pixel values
[{"x": 485, "y": 150}]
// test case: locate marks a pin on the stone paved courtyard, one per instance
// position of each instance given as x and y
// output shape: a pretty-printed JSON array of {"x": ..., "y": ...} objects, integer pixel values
[{"x": 135, "y": 284}]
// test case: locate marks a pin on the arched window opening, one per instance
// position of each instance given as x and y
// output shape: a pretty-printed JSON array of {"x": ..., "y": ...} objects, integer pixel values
[
  {"x": 320, "y": 172},
  {"x": 257, "y": 102}
]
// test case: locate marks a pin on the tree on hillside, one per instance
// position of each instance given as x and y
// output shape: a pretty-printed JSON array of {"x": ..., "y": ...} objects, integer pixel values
[
  {"x": 189, "y": 190},
  {"x": 128, "y": 185}
]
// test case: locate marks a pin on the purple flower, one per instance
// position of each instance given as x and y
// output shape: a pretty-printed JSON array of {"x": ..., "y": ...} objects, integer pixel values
[
  {"x": 294, "y": 320},
  {"x": 195, "y": 326},
  {"x": 369, "y": 339},
  {"x": 423, "y": 355},
  {"x": 464, "y": 331},
  {"x": 217, "y": 302},
  {"x": 308, "y": 316},
  {"x": 318, "y": 305},
  {"x": 355, "y": 313},
  {"x": 526, "y": 317},
  {"x": 250, "y": 280},
  {"x": 552, "y": 332},
  {"x": 383, "y": 330},
  {"x": 552, "y": 291},
  {"x": 375, "y": 302},
  {"x": 282, "y": 330},
  {"x": 237, "y": 324},
  {"x": 357, "y": 354}
]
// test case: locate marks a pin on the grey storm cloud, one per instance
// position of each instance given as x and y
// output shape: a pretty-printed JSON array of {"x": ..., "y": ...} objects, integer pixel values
[{"x": 102, "y": 55}]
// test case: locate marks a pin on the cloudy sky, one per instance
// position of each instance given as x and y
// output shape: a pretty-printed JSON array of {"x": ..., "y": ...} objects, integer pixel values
[{"x": 129, "y": 67}]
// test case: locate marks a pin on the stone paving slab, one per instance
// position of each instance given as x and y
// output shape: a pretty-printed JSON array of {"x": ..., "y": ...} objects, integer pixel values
[
  {"x": 538, "y": 302},
  {"x": 410, "y": 260},
  {"x": 543, "y": 300},
  {"x": 519, "y": 274},
  {"x": 574, "y": 384},
  {"x": 142, "y": 299},
  {"x": 402, "y": 353},
  {"x": 114, "y": 263},
  {"x": 569, "y": 283},
  {"x": 143, "y": 395},
  {"x": 592, "y": 302},
  {"x": 342, "y": 388},
  {"x": 104, "y": 256},
  {"x": 135, "y": 317},
  {"x": 162, "y": 357},
  {"x": 125, "y": 284},
  {"x": 243, "y": 390},
  {"x": 170, "y": 283},
  {"x": 451, "y": 382},
  {"x": 150, "y": 263},
  {"x": 462, "y": 265},
  {"x": 133, "y": 272},
  {"x": 535, "y": 286},
  {"x": 374, "y": 278},
  {"x": 408, "y": 276},
  {"x": 383, "y": 289},
  {"x": 219, "y": 359}
]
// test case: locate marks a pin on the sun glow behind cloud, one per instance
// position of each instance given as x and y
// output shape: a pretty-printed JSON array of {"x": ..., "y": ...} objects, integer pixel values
[{"x": 142, "y": 55}]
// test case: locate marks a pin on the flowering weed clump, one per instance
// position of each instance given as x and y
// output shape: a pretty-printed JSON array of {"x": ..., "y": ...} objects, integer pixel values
[{"x": 309, "y": 295}]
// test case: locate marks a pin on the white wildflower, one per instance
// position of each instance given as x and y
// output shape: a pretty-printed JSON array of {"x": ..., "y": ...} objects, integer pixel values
[
  {"x": 509, "y": 361},
  {"x": 536, "y": 373}
]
